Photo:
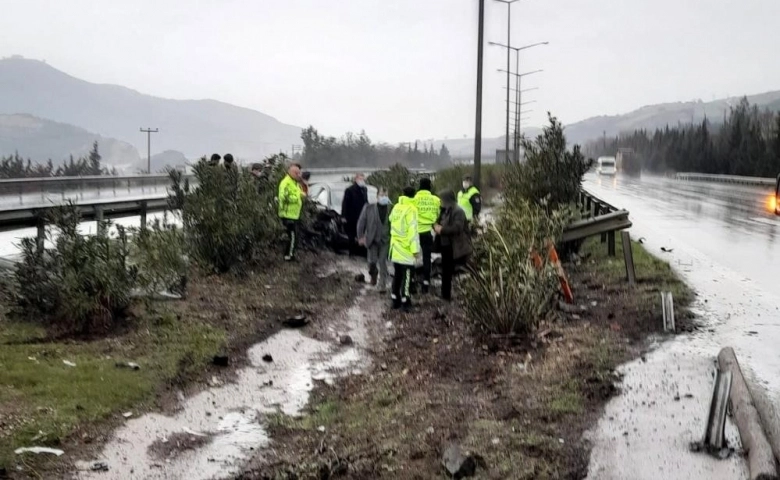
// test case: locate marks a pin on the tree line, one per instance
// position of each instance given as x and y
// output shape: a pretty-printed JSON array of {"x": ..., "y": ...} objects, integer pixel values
[
  {"x": 353, "y": 150},
  {"x": 14, "y": 166},
  {"x": 747, "y": 142}
]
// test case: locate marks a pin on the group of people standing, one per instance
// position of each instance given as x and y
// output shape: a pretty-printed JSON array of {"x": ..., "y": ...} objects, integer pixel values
[{"x": 406, "y": 233}]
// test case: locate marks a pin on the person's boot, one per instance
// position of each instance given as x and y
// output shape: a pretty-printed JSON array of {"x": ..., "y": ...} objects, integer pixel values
[
  {"x": 426, "y": 286},
  {"x": 396, "y": 302}
]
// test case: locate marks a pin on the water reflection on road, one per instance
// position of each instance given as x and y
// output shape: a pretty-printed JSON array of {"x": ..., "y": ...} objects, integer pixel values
[{"x": 724, "y": 243}]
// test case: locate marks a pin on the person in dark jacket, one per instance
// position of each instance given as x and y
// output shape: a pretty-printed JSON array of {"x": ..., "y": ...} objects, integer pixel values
[
  {"x": 228, "y": 161},
  {"x": 215, "y": 158},
  {"x": 355, "y": 198},
  {"x": 452, "y": 229}
]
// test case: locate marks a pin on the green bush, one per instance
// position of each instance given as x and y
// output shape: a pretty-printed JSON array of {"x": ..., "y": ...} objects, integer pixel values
[
  {"x": 231, "y": 217},
  {"x": 82, "y": 284},
  {"x": 159, "y": 254},
  {"x": 451, "y": 178},
  {"x": 505, "y": 292},
  {"x": 551, "y": 175},
  {"x": 394, "y": 179}
]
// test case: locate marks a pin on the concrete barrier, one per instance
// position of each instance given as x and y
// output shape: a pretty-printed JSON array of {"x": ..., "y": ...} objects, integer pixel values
[{"x": 761, "y": 460}]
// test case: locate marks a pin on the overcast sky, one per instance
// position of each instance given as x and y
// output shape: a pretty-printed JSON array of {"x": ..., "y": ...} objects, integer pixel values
[{"x": 405, "y": 69}]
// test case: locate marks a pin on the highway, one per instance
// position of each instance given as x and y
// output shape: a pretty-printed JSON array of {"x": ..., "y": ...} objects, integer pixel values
[{"x": 724, "y": 242}]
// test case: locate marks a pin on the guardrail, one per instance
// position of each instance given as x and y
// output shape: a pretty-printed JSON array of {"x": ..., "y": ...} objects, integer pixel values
[
  {"x": 603, "y": 219},
  {"x": 733, "y": 179}
]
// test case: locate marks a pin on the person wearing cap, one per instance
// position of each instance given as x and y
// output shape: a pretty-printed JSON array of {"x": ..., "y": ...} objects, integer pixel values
[
  {"x": 469, "y": 199},
  {"x": 404, "y": 248},
  {"x": 215, "y": 158},
  {"x": 452, "y": 232},
  {"x": 428, "y": 208}
]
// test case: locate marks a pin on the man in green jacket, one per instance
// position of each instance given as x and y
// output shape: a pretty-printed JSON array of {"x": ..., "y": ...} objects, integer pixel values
[
  {"x": 290, "y": 200},
  {"x": 404, "y": 248},
  {"x": 469, "y": 199},
  {"x": 428, "y": 208}
]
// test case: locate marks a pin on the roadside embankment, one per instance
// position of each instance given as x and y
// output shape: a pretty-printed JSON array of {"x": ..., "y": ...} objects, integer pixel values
[{"x": 518, "y": 407}]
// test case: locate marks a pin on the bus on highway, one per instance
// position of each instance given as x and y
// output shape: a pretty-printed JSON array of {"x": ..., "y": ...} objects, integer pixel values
[{"x": 606, "y": 166}]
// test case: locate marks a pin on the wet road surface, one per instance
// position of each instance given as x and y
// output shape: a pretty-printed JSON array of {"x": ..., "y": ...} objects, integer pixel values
[{"x": 724, "y": 244}]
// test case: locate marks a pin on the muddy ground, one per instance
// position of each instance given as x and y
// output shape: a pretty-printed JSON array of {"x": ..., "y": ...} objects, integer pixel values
[
  {"x": 520, "y": 407},
  {"x": 173, "y": 342}
]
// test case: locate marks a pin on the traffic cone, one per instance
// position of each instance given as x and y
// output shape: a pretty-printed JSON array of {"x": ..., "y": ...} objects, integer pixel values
[{"x": 565, "y": 288}]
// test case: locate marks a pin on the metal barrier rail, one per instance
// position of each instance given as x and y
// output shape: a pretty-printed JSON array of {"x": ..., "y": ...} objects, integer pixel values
[
  {"x": 603, "y": 219},
  {"x": 734, "y": 179}
]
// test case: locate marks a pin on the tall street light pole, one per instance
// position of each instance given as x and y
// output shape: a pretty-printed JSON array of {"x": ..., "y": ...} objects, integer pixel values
[
  {"x": 508, "y": 64},
  {"x": 518, "y": 76},
  {"x": 149, "y": 132},
  {"x": 478, "y": 127},
  {"x": 509, "y": 49}
]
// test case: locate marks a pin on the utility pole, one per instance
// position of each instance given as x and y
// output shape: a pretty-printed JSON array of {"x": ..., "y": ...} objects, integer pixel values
[
  {"x": 149, "y": 132},
  {"x": 508, "y": 66},
  {"x": 478, "y": 133}
]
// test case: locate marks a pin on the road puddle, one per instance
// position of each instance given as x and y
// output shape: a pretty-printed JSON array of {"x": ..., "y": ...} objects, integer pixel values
[{"x": 231, "y": 417}]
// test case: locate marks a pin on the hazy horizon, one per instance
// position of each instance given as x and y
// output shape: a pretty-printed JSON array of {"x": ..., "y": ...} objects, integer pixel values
[{"x": 405, "y": 70}]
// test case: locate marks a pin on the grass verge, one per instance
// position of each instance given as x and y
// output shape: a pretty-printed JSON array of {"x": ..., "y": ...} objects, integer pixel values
[
  {"x": 522, "y": 406},
  {"x": 46, "y": 402}
]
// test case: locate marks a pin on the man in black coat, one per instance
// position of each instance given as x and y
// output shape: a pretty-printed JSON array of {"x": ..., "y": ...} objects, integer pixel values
[{"x": 355, "y": 198}]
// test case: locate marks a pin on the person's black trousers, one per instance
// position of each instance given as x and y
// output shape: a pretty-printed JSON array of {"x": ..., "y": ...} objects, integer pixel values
[
  {"x": 426, "y": 245},
  {"x": 293, "y": 232},
  {"x": 402, "y": 283}
]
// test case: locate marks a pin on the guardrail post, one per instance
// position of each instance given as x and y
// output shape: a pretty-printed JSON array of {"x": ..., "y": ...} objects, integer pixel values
[
  {"x": 588, "y": 202},
  {"x": 628, "y": 257},
  {"x": 143, "y": 215},
  {"x": 21, "y": 195},
  {"x": 602, "y": 211},
  {"x": 101, "y": 226},
  {"x": 40, "y": 234},
  {"x": 611, "y": 243}
]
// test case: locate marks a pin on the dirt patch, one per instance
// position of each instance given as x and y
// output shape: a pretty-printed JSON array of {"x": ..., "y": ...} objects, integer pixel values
[{"x": 521, "y": 406}]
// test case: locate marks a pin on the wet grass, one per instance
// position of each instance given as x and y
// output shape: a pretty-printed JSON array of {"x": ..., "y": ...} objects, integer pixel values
[
  {"x": 651, "y": 271},
  {"x": 45, "y": 402},
  {"x": 43, "y": 399}
]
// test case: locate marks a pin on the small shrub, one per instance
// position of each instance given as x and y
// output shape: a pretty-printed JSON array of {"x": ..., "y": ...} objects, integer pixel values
[
  {"x": 158, "y": 253},
  {"x": 83, "y": 283},
  {"x": 551, "y": 175},
  {"x": 394, "y": 180},
  {"x": 505, "y": 292},
  {"x": 231, "y": 217}
]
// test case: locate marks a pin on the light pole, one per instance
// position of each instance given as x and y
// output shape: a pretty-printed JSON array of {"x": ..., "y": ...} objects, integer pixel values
[
  {"x": 478, "y": 123},
  {"x": 508, "y": 60},
  {"x": 517, "y": 50},
  {"x": 149, "y": 132}
]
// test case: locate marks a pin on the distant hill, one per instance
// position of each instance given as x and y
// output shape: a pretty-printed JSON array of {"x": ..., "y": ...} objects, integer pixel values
[
  {"x": 194, "y": 127},
  {"x": 167, "y": 159},
  {"x": 41, "y": 140},
  {"x": 649, "y": 117},
  {"x": 658, "y": 116}
]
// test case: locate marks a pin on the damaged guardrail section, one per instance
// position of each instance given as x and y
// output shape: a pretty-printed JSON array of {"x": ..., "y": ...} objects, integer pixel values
[{"x": 601, "y": 218}]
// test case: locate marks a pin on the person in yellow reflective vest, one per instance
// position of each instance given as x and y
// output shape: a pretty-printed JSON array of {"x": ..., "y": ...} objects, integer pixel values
[
  {"x": 428, "y": 209},
  {"x": 469, "y": 199},
  {"x": 290, "y": 200},
  {"x": 404, "y": 248}
]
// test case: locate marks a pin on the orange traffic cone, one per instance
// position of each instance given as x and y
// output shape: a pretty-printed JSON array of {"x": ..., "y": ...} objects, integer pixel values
[{"x": 565, "y": 288}]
